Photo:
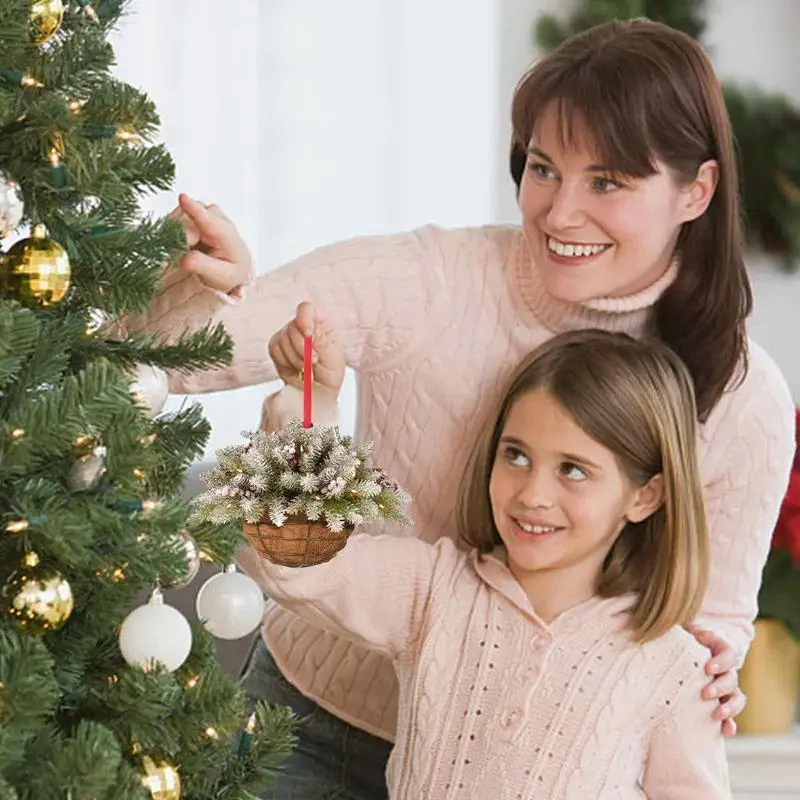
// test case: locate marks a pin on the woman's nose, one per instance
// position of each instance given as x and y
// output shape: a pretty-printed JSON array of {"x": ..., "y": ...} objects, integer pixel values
[{"x": 566, "y": 208}]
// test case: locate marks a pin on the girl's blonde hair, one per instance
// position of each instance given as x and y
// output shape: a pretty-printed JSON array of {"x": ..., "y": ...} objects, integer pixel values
[{"x": 636, "y": 399}]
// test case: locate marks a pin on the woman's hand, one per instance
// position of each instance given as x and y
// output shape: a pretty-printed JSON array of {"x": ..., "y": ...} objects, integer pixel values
[
  {"x": 218, "y": 255},
  {"x": 286, "y": 350},
  {"x": 725, "y": 685}
]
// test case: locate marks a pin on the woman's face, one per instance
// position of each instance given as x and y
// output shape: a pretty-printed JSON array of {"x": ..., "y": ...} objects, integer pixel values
[{"x": 593, "y": 233}]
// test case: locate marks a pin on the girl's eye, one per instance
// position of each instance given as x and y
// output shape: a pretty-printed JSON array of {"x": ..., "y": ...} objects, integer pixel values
[
  {"x": 573, "y": 472},
  {"x": 515, "y": 457},
  {"x": 541, "y": 170}
]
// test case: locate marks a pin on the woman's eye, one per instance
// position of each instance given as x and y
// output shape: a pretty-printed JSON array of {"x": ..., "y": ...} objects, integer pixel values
[
  {"x": 541, "y": 170},
  {"x": 605, "y": 185}
]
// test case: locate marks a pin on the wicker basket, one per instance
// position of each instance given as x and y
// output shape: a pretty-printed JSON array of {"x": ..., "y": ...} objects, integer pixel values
[{"x": 297, "y": 543}]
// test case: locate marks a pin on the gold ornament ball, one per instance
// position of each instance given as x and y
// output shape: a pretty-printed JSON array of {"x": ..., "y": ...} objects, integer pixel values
[
  {"x": 45, "y": 19},
  {"x": 36, "y": 271},
  {"x": 37, "y": 598},
  {"x": 161, "y": 779}
]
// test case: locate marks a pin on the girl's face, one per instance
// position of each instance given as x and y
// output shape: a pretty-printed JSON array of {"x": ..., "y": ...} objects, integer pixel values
[
  {"x": 596, "y": 234},
  {"x": 559, "y": 498}
]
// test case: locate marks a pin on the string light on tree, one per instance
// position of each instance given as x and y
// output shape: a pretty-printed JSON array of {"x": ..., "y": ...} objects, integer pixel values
[
  {"x": 58, "y": 173},
  {"x": 76, "y": 106},
  {"x": 88, "y": 9},
  {"x": 248, "y": 734},
  {"x": 17, "y": 526},
  {"x": 79, "y": 149}
]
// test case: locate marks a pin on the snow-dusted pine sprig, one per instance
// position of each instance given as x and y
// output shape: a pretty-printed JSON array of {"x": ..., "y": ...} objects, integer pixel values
[{"x": 314, "y": 471}]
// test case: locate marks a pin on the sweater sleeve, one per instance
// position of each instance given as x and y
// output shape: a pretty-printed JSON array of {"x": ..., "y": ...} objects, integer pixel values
[
  {"x": 750, "y": 454},
  {"x": 281, "y": 407},
  {"x": 375, "y": 291},
  {"x": 375, "y": 592},
  {"x": 686, "y": 758}
]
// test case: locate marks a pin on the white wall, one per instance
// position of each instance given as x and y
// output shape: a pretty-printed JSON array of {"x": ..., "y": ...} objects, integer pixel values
[{"x": 309, "y": 122}]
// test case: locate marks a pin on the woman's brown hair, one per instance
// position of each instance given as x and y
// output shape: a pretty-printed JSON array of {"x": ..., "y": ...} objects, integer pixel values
[
  {"x": 636, "y": 399},
  {"x": 648, "y": 94}
]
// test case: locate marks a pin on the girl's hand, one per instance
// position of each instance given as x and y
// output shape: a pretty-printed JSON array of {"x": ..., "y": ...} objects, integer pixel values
[
  {"x": 218, "y": 254},
  {"x": 725, "y": 684},
  {"x": 286, "y": 350}
]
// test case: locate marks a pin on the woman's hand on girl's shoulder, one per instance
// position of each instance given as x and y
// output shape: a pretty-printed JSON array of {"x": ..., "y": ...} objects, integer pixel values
[{"x": 725, "y": 683}]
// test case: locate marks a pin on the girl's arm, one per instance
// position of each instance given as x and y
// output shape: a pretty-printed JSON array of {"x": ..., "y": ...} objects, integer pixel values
[
  {"x": 686, "y": 758},
  {"x": 376, "y": 592}
]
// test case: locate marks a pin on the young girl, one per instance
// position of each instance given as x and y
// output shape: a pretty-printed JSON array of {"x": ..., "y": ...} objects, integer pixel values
[
  {"x": 627, "y": 182},
  {"x": 546, "y": 662}
]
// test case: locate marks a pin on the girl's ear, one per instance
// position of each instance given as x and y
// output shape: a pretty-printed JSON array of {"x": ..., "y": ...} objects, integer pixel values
[{"x": 646, "y": 499}]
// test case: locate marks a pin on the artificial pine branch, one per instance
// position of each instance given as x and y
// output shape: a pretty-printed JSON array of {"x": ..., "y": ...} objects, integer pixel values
[{"x": 313, "y": 472}]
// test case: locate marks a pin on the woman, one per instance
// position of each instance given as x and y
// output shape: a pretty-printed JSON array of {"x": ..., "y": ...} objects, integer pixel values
[{"x": 624, "y": 161}]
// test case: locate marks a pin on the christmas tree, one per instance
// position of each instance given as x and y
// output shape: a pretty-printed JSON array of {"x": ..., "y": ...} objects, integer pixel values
[
  {"x": 766, "y": 126},
  {"x": 103, "y": 693}
]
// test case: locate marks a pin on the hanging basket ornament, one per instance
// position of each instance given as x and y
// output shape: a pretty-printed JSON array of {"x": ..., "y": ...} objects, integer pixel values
[
  {"x": 300, "y": 492},
  {"x": 299, "y": 542}
]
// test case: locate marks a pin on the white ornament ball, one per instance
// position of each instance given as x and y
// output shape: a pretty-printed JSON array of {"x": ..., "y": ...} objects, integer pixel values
[
  {"x": 155, "y": 633},
  {"x": 11, "y": 206},
  {"x": 150, "y": 387},
  {"x": 230, "y": 605}
]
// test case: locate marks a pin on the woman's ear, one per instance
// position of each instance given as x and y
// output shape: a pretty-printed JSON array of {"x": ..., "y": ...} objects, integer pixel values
[{"x": 698, "y": 194}]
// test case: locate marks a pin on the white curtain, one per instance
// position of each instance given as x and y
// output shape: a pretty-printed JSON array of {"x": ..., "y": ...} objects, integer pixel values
[{"x": 311, "y": 121}]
